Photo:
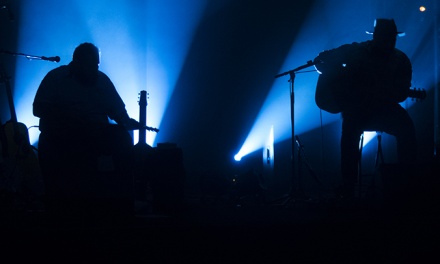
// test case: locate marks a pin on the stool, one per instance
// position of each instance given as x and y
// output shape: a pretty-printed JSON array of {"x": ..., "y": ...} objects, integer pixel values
[{"x": 378, "y": 159}]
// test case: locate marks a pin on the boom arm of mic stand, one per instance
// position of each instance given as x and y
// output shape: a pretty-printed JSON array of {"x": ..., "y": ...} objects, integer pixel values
[
  {"x": 308, "y": 64},
  {"x": 31, "y": 57}
]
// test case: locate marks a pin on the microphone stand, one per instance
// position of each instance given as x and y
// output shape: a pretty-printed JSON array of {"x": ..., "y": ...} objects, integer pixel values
[
  {"x": 296, "y": 192},
  {"x": 31, "y": 57}
]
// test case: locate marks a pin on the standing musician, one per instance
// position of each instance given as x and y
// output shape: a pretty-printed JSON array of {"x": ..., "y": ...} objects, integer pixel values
[
  {"x": 74, "y": 103},
  {"x": 368, "y": 81}
]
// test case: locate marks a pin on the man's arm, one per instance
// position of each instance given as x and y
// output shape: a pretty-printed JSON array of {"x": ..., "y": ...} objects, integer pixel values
[{"x": 117, "y": 112}]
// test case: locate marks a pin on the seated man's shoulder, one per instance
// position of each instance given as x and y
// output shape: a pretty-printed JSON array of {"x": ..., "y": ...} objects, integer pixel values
[
  {"x": 59, "y": 71},
  {"x": 400, "y": 55}
]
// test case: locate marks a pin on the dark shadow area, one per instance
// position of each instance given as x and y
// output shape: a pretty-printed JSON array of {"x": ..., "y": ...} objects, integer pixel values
[
  {"x": 235, "y": 223},
  {"x": 228, "y": 73},
  {"x": 9, "y": 17},
  {"x": 238, "y": 218}
]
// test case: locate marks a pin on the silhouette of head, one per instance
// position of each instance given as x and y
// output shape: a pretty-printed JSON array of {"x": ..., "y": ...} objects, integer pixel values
[
  {"x": 384, "y": 36},
  {"x": 85, "y": 63}
]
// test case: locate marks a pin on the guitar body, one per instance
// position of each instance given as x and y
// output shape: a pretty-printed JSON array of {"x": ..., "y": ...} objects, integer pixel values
[
  {"x": 325, "y": 97},
  {"x": 16, "y": 140},
  {"x": 20, "y": 165},
  {"x": 332, "y": 93}
]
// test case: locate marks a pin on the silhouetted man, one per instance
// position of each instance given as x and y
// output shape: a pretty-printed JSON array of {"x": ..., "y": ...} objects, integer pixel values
[
  {"x": 368, "y": 81},
  {"x": 80, "y": 152}
]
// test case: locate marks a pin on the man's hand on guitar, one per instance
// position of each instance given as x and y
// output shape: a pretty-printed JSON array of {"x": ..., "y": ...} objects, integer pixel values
[{"x": 132, "y": 124}]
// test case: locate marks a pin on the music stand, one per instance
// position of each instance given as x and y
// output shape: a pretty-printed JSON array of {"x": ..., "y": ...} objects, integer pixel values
[{"x": 296, "y": 192}]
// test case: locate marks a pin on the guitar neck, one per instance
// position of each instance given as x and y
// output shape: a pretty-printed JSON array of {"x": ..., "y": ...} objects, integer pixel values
[{"x": 143, "y": 116}]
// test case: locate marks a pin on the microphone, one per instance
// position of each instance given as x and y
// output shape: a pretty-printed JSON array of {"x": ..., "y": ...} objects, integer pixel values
[
  {"x": 54, "y": 59},
  {"x": 308, "y": 64}
]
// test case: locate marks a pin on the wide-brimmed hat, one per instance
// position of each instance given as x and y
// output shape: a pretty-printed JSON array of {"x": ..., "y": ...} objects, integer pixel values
[{"x": 385, "y": 26}]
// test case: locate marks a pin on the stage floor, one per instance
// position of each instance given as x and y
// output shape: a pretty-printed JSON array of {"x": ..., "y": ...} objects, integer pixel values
[{"x": 301, "y": 231}]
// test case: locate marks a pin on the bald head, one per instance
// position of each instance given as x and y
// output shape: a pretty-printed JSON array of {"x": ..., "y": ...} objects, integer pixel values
[{"x": 85, "y": 62}]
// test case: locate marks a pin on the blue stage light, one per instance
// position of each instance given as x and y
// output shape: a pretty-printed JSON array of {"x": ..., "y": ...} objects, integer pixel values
[
  {"x": 331, "y": 31},
  {"x": 143, "y": 45}
]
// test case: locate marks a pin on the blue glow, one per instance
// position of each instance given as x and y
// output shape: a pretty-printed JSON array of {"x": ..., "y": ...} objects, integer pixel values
[
  {"x": 255, "y": 143},
  {"x": 268, "y": 151},
  {"x": 170, "y": 27},
  {"x": 145, "y": 43},
  {"x": 325, "y": 28},
  {"x": 143, "y": 46},
  {"x": 368, "y": 136}
]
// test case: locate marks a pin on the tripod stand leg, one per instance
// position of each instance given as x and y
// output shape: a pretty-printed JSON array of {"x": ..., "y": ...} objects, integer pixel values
[
  {"x": 372, "y": 190},
  {"x": 379, "y": 154},
  {"x": 361, "y": 148}
]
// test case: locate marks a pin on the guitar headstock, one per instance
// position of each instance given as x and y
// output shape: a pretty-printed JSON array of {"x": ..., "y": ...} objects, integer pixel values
[
  {"x": 417, "y": 94},
  {"x": 143, "y": 97}
]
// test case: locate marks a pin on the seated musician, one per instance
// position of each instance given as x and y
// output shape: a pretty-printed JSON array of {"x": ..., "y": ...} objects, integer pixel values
[
  {"x": 369, "y": 81},
  {"x": 77, "y": 145}
]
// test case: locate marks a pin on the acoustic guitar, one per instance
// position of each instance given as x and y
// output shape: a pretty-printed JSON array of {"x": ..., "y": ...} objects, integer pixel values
[
  {"x": 20, "y": 162},
  {"x": 331, "y": 93}
]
